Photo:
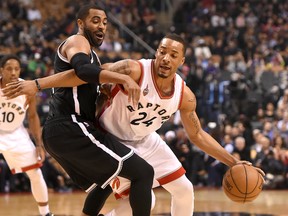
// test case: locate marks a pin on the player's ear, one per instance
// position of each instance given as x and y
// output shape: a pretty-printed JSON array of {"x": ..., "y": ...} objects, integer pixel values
[
  {"x": 80, "y": 24},
  {"x": 183, "y": 60},
  {"x": 156, "y": 53}
]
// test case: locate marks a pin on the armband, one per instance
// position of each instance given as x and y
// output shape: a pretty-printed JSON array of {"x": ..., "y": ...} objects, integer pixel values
[
  {"x": 38, "y": 85},
  {"x": 84, "y": 69}
]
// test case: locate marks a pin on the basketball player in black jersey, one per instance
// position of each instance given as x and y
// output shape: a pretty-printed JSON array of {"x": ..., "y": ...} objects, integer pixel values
[{"x": 90, "y": 158}]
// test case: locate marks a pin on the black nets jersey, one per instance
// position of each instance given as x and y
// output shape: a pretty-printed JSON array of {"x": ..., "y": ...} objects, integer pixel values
[{"x": 79, "y": 100}]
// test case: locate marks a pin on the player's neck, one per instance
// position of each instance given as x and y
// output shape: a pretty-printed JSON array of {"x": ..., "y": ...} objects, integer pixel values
[{"x": 165, "y": 85}]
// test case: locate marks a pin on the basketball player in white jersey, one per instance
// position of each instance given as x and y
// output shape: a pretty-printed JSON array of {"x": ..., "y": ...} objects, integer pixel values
[
  {"x": 16, "y": 146},
  {"x": 163, "y": 93}
]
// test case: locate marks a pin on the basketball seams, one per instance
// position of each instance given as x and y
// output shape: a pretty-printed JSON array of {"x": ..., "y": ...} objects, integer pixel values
[
  {"x": 256, "y": 185},
  {"x": 234, "y": 182},
  {"x": 246, "y": 184}
]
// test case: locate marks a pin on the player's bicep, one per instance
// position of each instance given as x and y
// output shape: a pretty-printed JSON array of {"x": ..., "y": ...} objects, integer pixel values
[
  {"x": 188, "y": 113},
  {"x": 74, "y": 45}
]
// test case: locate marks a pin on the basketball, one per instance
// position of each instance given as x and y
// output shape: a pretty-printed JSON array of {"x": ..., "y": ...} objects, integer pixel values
[{"x": 242, "y": 183}]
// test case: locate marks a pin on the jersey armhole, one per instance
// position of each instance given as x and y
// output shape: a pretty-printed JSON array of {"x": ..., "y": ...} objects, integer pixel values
[
  {"x": 181, "y": 95},
  {"x": 142, "y": 73}
]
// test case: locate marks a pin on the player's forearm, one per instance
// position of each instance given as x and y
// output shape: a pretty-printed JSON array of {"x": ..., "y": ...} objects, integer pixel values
[
  {"x": 62, "y": 79},
  {"x": 35, "y": 129},
  {"x": 121, "y": 67},
  {"x": 209, "y": 145},
  {"x": 112, "y": 77}
]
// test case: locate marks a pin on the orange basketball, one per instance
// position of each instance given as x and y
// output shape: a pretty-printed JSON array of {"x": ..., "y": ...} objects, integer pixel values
[{"x": 242, "y": 183}]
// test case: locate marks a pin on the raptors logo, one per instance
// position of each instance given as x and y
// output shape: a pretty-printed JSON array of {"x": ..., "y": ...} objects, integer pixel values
[
  {"x": 115, "y": 184},
  {"x": 146, "y": 91},
  {"x": 12, "y": 114}
]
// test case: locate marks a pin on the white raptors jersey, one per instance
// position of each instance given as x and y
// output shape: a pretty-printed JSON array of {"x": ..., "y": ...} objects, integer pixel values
[
  {"x": 12, "y": 112},
  {"x": 134, "y": 123}
]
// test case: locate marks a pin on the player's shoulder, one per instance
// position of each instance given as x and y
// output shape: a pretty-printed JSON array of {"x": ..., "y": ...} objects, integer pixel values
[
  {"x": 144, "y": 63},
  {"x": 188, "y": 98},
  {"x": 77, "y": 40},
  {"x": 187, "y": 92}
]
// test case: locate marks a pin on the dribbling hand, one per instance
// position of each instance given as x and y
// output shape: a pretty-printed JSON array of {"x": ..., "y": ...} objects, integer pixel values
[{"x": 258, "y": 169}]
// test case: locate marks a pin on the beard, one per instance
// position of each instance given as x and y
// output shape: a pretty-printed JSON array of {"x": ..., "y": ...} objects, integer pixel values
[{"x": 94, "y": 42}]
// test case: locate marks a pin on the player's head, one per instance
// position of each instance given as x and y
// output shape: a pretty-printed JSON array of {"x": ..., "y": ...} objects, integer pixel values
[
  {"x": 10, "y": 68},
  {"x": 170, "y": 55},
  {"x": 92, "y": 23}
]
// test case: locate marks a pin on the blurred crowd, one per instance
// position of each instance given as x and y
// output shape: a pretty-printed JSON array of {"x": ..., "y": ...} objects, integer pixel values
[{"x": 236, "y": 64}]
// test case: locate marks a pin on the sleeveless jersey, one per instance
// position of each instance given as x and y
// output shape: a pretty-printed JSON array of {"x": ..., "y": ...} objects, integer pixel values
[
  {"x": 134, "y": 123},
  {"x": 12, "y": 112},
  {"x": 79, "y": 100}
]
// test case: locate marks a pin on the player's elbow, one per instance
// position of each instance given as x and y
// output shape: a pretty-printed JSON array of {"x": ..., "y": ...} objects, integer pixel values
[{"x": 84, "y": 70}]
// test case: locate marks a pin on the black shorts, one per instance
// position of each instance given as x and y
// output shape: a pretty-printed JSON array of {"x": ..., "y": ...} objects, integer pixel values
[{"x": 89, "y": 156}]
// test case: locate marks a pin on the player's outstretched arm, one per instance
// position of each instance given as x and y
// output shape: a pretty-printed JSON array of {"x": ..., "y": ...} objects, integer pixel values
[
  {"x": 31, "y": 87},
  {"x": 199, "y": 137},
  {"x": 70, "y": 79}
]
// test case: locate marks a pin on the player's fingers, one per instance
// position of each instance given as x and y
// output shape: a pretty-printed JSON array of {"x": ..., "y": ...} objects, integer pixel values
[
  {"x": 10, "y": 90},
  {"x": 137, "y": 95},
  {"x": 40, "y": 154},
  {"x": 260, "y": 171},
  {"x": 133, "y": 98},
  {"x": 130, "y": 97},
  {"x": 245, "y": 162},
  {"x": 11, "y": 94}
]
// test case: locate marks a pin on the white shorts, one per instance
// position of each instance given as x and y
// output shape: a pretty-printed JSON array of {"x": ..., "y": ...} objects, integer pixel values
[
  {"x": 18, "y": 150},
  {"x": 158, "y": 154}
]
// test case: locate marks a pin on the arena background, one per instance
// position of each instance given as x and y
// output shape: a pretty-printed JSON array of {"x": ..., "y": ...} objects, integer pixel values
[{"x": 236, "y": 64}]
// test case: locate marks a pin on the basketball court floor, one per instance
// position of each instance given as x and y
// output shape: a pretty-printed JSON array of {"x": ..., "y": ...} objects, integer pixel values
[{"x": 208, "y": 202}]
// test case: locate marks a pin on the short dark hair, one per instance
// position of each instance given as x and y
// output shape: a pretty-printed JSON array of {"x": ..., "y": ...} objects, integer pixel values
[
  {"x": 177, "y": 38},
  {"x": 7, "y": 58},
  {"x": 84, "y": 10}
]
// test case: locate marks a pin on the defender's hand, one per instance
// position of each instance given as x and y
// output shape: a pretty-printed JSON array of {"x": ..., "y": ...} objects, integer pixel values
[
  {"x": 133, "y": 90},
  {"x": 14, "y": 89}
]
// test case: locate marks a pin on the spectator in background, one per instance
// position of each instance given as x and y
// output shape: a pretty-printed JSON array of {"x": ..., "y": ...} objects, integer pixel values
[
  {"x": 241, "y": 148},
  {"x": 227, "y": 143},
  {"x": 282, "y": 104},
  {"x": 268, "y": 129},
  {"x": 270, "y": 113},
  {"x": 267, "y": 161},
  {"x": 202, "y": 53},
  {"x": 36, "y": 67},
  {"x": 282, "y": 125},
  {"x": 257, "y": 146},
  {"x": 33, "y": 13},
  {"x": 238, "y": 88}
]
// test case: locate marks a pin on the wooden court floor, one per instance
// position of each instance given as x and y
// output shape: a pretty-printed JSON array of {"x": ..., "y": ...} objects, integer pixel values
[{"x": 208, "y": 202}]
